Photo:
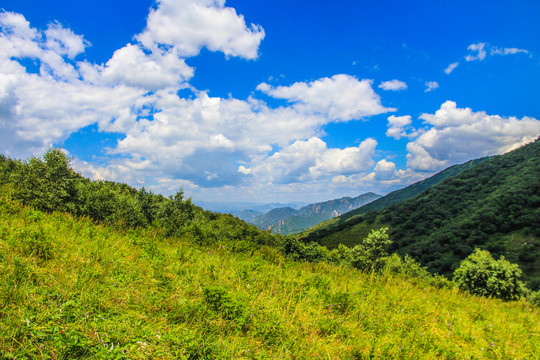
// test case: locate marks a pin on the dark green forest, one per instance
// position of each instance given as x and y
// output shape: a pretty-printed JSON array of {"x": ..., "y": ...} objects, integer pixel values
[{"x": 493, "y": 205}]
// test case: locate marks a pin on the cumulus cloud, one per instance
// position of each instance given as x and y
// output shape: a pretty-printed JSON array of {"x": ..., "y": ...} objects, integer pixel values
[
  {"x": 456, "y": 135},
  {"x": 385, "y": 170},
  {"x": 393, "y": 85},
  {"x": 451, "y": 68},
  {"x": 312, "y": 159},
  {"x": 339, "y": 98},
  {"x": 131, "y": 66},
  {"x": 189, "y": 25},
  {"x": 397, "y": 126},
  {"x": 431, "y": 85},
  {"x": 64, "y": 42},
  {"x": 39, "y": 109}
]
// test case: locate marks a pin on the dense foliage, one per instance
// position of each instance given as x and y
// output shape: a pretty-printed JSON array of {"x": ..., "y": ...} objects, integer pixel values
[
  {"x": 494, "y": 205},
  {"x": 371, "y": 253},
  {"x": 480, "y": 274},
  {"x": 50, "y": 184}
]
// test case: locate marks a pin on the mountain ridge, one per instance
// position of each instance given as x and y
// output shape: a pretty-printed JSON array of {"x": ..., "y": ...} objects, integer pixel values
[{"x": 287, "y": 221}]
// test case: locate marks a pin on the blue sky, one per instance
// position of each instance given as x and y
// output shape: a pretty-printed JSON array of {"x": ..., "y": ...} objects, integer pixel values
[{"x": 268, "y": 101}]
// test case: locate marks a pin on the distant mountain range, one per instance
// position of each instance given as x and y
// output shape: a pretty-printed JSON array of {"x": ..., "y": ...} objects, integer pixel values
[
  {"x": 241, "y": 209},
  {"x": 287, "y": 220}
]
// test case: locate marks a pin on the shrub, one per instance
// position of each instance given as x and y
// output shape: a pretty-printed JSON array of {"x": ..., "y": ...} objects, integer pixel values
[
  {"x": 311, "y": 251},
  {"x": 481, "y": 274},
  {"x": 534, "y": 298},
  {"x": 372, "y": 252}
]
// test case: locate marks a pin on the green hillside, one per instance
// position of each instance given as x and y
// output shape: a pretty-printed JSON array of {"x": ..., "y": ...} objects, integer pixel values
[
  {"x": 327, "y": 228},
  {"x": 110, "y": 272},
  {"x": 70, "y": 288},
  {"x": 410, "y": 191},
  {"x": 494, "y": 205}
]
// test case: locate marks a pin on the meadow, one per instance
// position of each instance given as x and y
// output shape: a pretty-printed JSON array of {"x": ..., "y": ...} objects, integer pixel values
[{"x": 71, "y": 288}]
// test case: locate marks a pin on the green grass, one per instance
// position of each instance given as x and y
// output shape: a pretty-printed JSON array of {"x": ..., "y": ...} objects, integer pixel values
[{"x": 73, "y": 289}]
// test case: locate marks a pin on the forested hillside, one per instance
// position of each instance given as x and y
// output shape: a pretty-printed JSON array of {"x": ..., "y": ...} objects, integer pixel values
[
  {"x": 410, "y": 191},
  {"x": 493, "y": 205}
]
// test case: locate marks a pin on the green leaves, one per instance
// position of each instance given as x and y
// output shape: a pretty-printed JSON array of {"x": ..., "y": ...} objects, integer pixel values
[
  {"x": 371, "y": 253},
  {"x": 481, "y": 274}
]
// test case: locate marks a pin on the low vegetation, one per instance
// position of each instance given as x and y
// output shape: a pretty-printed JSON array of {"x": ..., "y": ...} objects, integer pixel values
[{"x": 73, "y": 289}]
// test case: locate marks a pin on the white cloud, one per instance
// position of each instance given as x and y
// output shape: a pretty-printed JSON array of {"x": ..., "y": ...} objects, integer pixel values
[
  {"x": 131, "y": 66},
  {"x": 457, "y": 135},
  {"x": 397, "y": 126},
  {"x": 431, "y": 85},
  {"x": 385, "y": 170},
  {"x": 64, "y": 42},
  {"x": 479, "y": 49},
  {"x": 39, "y": 109},
  {"x": 393, "y": 85},
  {"x": 339, "y": 98},
  {"x": 189, "y": 25},
  {"x": 480, "y": 52},
  {"x": 311, "y": 159},
  {"x": 507, "y": 51},
  {"x": 451, "y": 68}
]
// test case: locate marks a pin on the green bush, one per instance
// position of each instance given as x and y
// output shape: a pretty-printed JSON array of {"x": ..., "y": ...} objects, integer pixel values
[
  {"x": 534, "y": 298},
  {"x": 372, "y": 252},
  {"x": 481, "y": 274}
]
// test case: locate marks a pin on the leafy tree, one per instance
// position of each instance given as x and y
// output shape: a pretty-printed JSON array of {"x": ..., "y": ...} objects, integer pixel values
[
  {"x": 48, "y": 184},
  {"x": 481, "y": 274},
  {"x": 175, "y": 214},
  {"x": 371, "y": 253}
]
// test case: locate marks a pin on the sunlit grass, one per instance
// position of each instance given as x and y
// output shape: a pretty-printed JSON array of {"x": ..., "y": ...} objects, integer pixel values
[{"x": 73, "y": 289}]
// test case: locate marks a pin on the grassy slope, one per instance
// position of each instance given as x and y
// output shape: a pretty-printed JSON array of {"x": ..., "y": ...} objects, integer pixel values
[{"x": 69, "y": 288}]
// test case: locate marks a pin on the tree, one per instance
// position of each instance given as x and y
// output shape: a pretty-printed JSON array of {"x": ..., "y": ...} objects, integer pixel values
[
  {"x": 371, "y": 253},
  {"x": 176, "y": 213},
  {"x": 481, "y": 274},
  {"x": 48, "y": 184}
]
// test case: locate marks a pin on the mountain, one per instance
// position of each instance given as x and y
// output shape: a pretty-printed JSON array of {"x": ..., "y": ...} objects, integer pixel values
[
  {"x": 237, "y": 207},
  {"x": 493, "y": 205},
  {"x": 411, "y": 191},
  {"x": 289, "y": 221},
  {"x": 247, "y": 215},
  {"x": 272, "y": 217},
  {"x": 394, "y": 197}
]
